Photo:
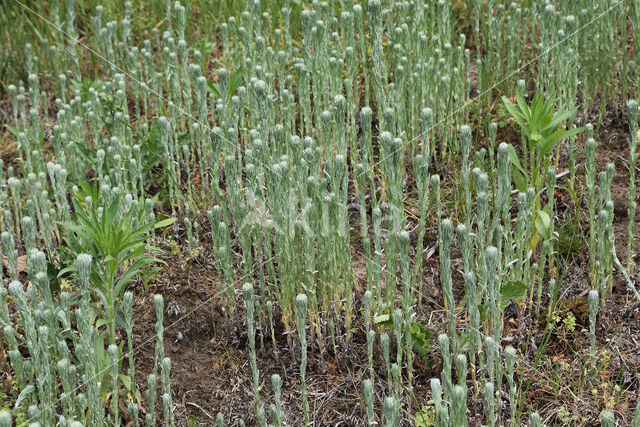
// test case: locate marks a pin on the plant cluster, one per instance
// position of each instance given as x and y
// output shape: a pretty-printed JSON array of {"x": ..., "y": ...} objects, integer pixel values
[{"x": 297, "y": 134}]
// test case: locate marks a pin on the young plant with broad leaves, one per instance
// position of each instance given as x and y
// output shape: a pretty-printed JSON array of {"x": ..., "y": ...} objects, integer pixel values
[
  {"x": 543, "y": 128},
  {"x": 116, "y": 236}
]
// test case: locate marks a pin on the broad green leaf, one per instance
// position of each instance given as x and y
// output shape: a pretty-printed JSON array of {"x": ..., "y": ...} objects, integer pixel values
[
  {"x": 425, "y": 417},
  {"x": 383, "y": 319},
  {"x": 510, "y": 291},
  {"x": 534, "y": 241},
  {"x": 545, "y": 147},
  {"x": 558, "y": 118},
  {"x": 71, "y": 269},
  {"x": 515, "y": 160},
  {"x": 519, "y": 180},
  {"x": 126, "y": 380},
  {"x": 526, "y": 111},
  {"x": 234, "y": 82},
  {"x": 422, "y": 338},
  {"x": 543, "y": 224},
  {"x": 465, "y": 342},
  {"x": 214, "y": 88},
  {"x": 517, "y": 115},
  {"x": 165, "y": 222}
]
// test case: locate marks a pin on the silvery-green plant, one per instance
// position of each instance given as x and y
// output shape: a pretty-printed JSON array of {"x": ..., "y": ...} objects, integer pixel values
[
  {"x": 407, "y": 301},
  {"x": 489, "y": 393},
  {"x": 134, "y": 414},
  {"x": 249, "y": 300},
  {"x": 636, "y": 416},
  {"x": 158, "y": 304},
  {"x": 493, "y": 286},
  {"x": 384, "y": 342},
  {"x": 465, "y": 173},
  {"x": 461, "y": 371},
  {"x": 28, "y": 233},
  {"x": 5, "y": 418},
  {"x": 114, "y": 359},
  {"x": 150, "y": 417},
  {"x": 590, "y": 183},
  {"x": 593, "y": 313},
  {"x": 459, "y": 406},
  {"x": 269, "y": 306},
  {"x": 128, "y": 314},
  {"x": 535, "y": 420},
  {"x": 397, "y": 379},
  {"x": 436, "y": 393},
  {"x": 301, "y": 306},
  {"x": 553, "y": 294},
  {"x": 604, "y": 252},
  {"x": 607, "y": 419},
  {"x": 471, "y": 295},
  {"x": 391, "y": 412},
  {"x": 167, "y": 404},
  {"x": 445, "y": 238},
  {"x": 435, "y": 186},
  {"x": 276, "y": 383},
  {"x": 368, "y": 398},
  {"x": 510, "y": 359},
  {"x": 398, "y": 331},
  {"x": 421, "y": 165},
  {"x": 632, "y": 113},
  {"x": 502, "y": 190},
  {"x": 546, "y": 228},
  {"x": 371, "y": 337},
  {"x": 445, "y": 352}
]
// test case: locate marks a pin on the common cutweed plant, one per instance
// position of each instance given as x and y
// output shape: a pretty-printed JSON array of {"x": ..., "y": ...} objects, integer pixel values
[{"x": 347, "y": 169}]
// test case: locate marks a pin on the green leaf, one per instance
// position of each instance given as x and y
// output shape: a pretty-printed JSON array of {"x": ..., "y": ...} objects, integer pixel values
[
  {"x": 214, "y": 88},
  {"x": 65, "y": 271},
  {"x": 383, "y": 319},
  {"x": 545, "y": 147},
  {"x": 512, "y": 291},
  {"x": 524, "y": 108},
  {"x": 513, "y": 111},
  {"x": 23, "y": 395},
  {"x": 165, "y": 222},
  {"x": 515, "y": 160},
  {"x": 543, "y": 224},
  {"x": 558, "y": 118},
  {"x": 465, "y": 342},
  {"x": 13, "y": 130},
  {"x": 422, "y": 338},
  {"x": 519, "y": 180},
  {"x": 425, "y": 417},
  {"x": 183, "y": 138},
  {"x": 234, "y": 82},
  {"x": 126, "y": 380}
]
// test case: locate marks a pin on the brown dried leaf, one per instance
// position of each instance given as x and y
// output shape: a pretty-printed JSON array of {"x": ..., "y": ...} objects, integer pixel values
[{"x": 22, "y": 263}]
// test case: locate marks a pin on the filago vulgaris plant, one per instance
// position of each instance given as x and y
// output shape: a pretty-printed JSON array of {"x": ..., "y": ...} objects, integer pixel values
[
  {"x": 66, "y": 345},
  {"x": 372, "y": 96}
]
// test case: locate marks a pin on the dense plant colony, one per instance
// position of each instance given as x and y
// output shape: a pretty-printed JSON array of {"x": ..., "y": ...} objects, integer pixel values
[{"x": 327, "y": 129}]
